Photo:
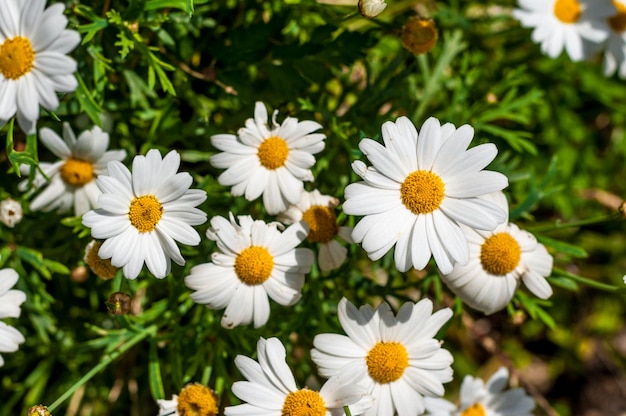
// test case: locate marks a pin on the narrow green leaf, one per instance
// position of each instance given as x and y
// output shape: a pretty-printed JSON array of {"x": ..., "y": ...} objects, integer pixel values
[
  {"x": 563, "y": 247},
  {"x": 154, "y": 373},
  {"x": 87, "y": 102}
]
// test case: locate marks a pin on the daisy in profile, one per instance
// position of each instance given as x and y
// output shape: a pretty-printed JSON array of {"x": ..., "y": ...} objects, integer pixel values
[
  {"x": 578, "y": 26},
  {"x": 419, "y": 190},
  {"x": 270, "y": 159},
  {"x": 143, "y": 214},
  {"x": 615, "y": 52},
  {"x": 255, "y": 261},
  {"x": 10, "y": 302},
  {"x": 480, "y": 399},
  {"x": 318, "y": 212},
  {"x": 72, "y": 184},
  {"x": 271, "y": 388},
  {"x": 34, "y": 65},
  {"x": 397, "y": 356},
  {"x": 499, "y": 261},
  {"x": 194, "y": 400},
  {"x": 100, "y": 267}
]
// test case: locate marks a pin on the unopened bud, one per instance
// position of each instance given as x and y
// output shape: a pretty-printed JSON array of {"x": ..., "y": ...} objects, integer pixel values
[
  {"x": 119, "y": 303},
  {"x": 79, "y": 274},
  {"x": 371, "y": 8},
  {"x": 419, "y": 35},
  {"x": 10, "y": 212},
  {"x": 39, "y": 410}
]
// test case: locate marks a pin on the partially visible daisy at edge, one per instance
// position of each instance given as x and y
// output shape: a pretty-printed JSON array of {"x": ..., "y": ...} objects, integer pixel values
[
  {"x": 397, "y": 354},
  {"x": 485, "y": 399},
  {"x": 499, "y": 261},
  {"x": 271, "y": 389},
  {"x": 194, "y": 399},
  {"x": 255, "y": 260},
  {"x": 144, "y": 213},
  {"x": 267, "y": 159},
  {"x": 419, "y": 190},
  {"x": 72, "y": 182},
  {"x": 10, "y": 307},
  {"x": 34, "y": 65},
  {"x": 318, "y": 211},
  {"x": 615, "y": 48},
  {"x": 578, "y": 26}
]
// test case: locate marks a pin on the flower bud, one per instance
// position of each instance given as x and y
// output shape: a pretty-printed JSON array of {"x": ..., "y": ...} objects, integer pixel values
[
  {"x": 39, "y": 410},
  {"x": 371, "y": 8},
  {"x": 10, "y": 212},
  {"x": 119, "y": 303},
  {"x": 419, "y": 35}
]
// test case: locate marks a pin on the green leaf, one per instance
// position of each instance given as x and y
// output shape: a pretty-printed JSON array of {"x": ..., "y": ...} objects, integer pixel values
[
  {"x": 154, "y": 373},
  {"x": 563, "y": 247},
  {"x": 87, "y": 102},
  {"x": 563, "y": 282},
  {"x": 34, "y": 258},
  {"x": 184, "y": 5}
]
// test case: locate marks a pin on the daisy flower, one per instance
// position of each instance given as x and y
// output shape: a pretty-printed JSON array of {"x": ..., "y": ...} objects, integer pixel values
[
  {"x": 194, "y": 400},
  {"x": 480, "y": 399},
  {"x": 271, "y": 389},
  {"x": 399, "y": 357},
  {"x": 272, "y": 160},
  {"x": 615, "y": 52},
  {"x": 100, "y": 267},
  {"x": 33, "y": 61},
  {"x": 419, "y": 190},
  {"x": 499, "y": 259},
  {"x": 318, "y": 212},
  {"x": 11, "y": 212},
  {"x": 143, "y": 214},
  {"x": 255, "y": 261},
  {"x": 10, "y": 302},
  {"x": 559, "y": 24},
  {"x": 73, "y": 178}
]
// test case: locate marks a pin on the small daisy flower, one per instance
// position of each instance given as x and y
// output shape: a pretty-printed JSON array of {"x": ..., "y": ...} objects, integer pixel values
[
  {"x": 318, "y": 212},
  {"x": 272, "y": 160},
  {"x": 10, "y": 302},
  {"x": 398, "y": 354},
  {"x": 419, "y": 190},
  {"x": 143, "y": 214},
  {"x": 100, "y": 267},
  {"x": 566, "y": 24},
  {"x": 371, "y": 8},
  {"x": 615, "y": 52},
  {"x": 255, "y": 261},
  {"x": 194, "y": 400},
  {"x": 499, "y": 259},
  {"x": 271, "y": 389},
  {"x": 33, "y": 62},
  {"x": 10, "y": 212},
  {"x": 480, "y": 399},
  {"x": 73, "y": 178}
]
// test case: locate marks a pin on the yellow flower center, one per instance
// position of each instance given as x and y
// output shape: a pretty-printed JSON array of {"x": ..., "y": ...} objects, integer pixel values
[
  {"x": 322, "y": 223},
  {"x": 77, "y": 172},
  {"x": 618, "y": 21},
  {"x": 101, "y": 267},
  {"x": 500, "y": 254},
  {"x": 16, "y": 57},
  {"x": 387, "y": 361},
  {"x": 422, "y": 192},
  {"x": 196, "y": 400},
  {"x": 304, "y": 402},
  {"x": 474, "y": 410},
  {"x": 254, "y": 265},
  {"x": 419, "y": 35},
  {"x": 145, "y": 212},
  {"x": 567, "y": 11},
  {"x": 273, "y": 153}
]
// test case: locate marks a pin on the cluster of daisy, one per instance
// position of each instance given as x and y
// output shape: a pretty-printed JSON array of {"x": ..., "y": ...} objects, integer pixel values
[
  {"x": 10, "y": 307},
  {"x": 582, "y": 27}
]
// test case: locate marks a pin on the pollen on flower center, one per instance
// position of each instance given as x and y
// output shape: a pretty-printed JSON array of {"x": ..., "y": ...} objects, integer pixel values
[
  {"x": 386, "y": 361},
  {"x": 16, "y": 57},
  {"x": 145, "y": 212},
  {"x": 567, "y": 11},
  {"x": 474, "y": 410},
  {"x": 254, "y": 265},
  {"x": 77, "y": 172},
  {"x": 273, "y": 153},
  {"x": 618, "y": 21},
  {"x": 322, "y": 223},
  {"x": 304, "y": 402},
  {"x": 500, "y": 254},
  {"x": 422, "y": 192},
  {"x": 196, "y": 400}
]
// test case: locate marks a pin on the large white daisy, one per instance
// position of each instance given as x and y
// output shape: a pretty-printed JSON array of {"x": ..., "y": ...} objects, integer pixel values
[
  {"x": 419, "y": 190},
  {"x": 255, "y": 261},
  {"x": 480, "y": 399},
  {"x": 566, "y": 24},
  {"x": 270, "y": 159},
  {"x": 615, "y": 52},
  {"x": 72, "y": 181},
  {"x": 318, "y": 212},
  {"x": 143, "y": 214},
  {"x": 398, "y": 354},
  {"x": 499, "y": 260},
  {"x": 271, "y": 389},
  {"x": 33, "y": 61},
  {"x": 10, "y": 302}
]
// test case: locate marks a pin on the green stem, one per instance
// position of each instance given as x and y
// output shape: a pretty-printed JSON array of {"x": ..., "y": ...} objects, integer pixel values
[
  {"x": 106, "y": 360},
  {"x": 584, "y": 280},
  {"x": 559, "y": 225}
]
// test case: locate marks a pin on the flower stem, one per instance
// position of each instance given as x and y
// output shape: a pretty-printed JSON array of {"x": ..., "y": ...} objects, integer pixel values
[{"x": 559, "y": 225}]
